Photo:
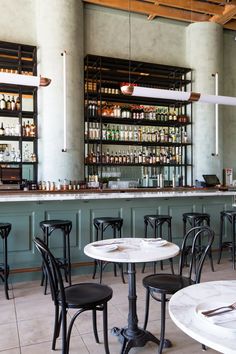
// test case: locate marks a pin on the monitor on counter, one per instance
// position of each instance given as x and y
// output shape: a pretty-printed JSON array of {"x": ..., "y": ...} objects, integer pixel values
[{"x": 211, "y": 180}]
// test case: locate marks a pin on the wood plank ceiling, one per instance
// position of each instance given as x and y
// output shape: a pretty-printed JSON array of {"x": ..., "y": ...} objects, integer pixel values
[{"x": 219, "y": 11}]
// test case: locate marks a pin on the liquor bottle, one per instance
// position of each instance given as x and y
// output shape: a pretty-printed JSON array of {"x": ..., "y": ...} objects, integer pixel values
[
  {"x": 2, "y": 130},
  {"x": 135, "y": 157},
  {"x": 130, "y": 134},
  {"x": 139, "y": 134},
  {"x": 104, "y": 132},
  {"x": 108, "y": 156},
  {"x": 135, "y": 134},
  {"x": 32, "y": 129},
  {"x": 27, "y": 129},
  {"x": 18, "y": 103},
  {"x": 3, "y": 102},
  {"x": 124, "y": 157},
  {"x": 13, "y": 104},
  {"x": 116, "y": 158},
  {"x": 117, "y": 134},
  {"x": 8, "y": 103},
  {"x": 111, "y": 158},
  {"x": 23, "y": 129},
  {"x": 122, "y": 133},
  {"x": 126, "y": 134},
  {"x": 120, "y": 157}
]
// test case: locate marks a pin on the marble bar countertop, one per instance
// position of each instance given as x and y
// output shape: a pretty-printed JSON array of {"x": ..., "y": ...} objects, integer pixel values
[{"x": 90, "y": 194}]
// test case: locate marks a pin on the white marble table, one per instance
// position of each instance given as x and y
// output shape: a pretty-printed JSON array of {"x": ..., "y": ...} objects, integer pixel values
[
  {"x": 131, "y": 251},
  {"x": 185, "y": 307}
]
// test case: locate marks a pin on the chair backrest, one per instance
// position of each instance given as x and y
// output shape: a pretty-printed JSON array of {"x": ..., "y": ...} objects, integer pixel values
[
  {"x": 195, "y": 247},
  {"x": 53, "y": 272}
]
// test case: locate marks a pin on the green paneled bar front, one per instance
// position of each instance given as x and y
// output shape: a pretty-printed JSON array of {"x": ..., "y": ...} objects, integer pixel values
[{"x": 24, "y": 210}]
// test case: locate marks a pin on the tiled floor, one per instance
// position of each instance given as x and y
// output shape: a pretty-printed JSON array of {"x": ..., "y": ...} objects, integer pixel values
[{"x": 26, "y": 321}]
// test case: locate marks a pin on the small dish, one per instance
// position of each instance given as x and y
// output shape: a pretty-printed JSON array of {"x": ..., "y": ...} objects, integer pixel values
[{"x": 154, "y": 242}]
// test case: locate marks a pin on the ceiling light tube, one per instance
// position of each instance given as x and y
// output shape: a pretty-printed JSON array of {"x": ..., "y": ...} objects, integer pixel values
[
  {"x": 25, "y": 80},
  {"x": 131, "y": 90}
]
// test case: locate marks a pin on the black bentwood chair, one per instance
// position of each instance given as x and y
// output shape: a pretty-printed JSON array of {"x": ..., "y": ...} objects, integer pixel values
[
  {"x": 82, "y": 296},
  {"x": 168, "y": 284}
]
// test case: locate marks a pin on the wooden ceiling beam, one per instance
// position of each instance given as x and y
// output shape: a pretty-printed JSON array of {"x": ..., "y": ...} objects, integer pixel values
[
  {"x": 227, "y": 15},
  {"x": 148, "y": 8},
  {"x": 193, "y": 6},
  {"x": 231, "y": 25}
]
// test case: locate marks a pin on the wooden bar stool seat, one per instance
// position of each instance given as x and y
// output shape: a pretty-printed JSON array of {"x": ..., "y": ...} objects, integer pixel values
[
  {"x": 64, "y": 262},
  {"x": 194, "y": 219},
  {"x": 101, "y": 224},
  {"x": 5, "y": 229},
  {"x": 156, "y": 223}
]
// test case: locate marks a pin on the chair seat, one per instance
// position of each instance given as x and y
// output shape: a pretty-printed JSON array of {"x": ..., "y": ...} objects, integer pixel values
[
  {"x": 166, "y": 283},
  {"x": 87, "y": 295},
  {"x": 105, "y": 220},
  {"x": 55, "y": 223}
]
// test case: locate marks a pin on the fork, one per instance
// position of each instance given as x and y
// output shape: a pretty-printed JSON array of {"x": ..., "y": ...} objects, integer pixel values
[{"x": 215, "y": 312}]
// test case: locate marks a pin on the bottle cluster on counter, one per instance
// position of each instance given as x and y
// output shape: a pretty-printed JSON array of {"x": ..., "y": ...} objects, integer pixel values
[{"x": 60, "y": 185}]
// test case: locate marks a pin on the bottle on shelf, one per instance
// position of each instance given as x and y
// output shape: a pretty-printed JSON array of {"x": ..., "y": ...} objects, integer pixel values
[
  {"x": 18, "y": 105},
  {"x": 27, "y": 129},
  {"x": 2, "y": 130},
  {"x": 3, "y": 104},
  {"x": 8, "y": 103},
  {"x": 13, "y": 103},
  {"x": 32, "y": 132}
]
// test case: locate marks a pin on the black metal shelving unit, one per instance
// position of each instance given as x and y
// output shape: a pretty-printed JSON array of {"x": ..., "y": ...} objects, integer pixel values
[
  {"x": 21, "y": 59},
  {"x": 103, "y": 77}
]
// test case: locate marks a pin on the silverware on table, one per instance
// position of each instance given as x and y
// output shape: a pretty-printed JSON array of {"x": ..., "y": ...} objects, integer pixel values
[{"x": 216, "y": 311}]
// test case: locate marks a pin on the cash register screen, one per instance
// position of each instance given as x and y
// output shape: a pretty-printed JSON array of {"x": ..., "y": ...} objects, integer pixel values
[{"x": 211, "y": 180}]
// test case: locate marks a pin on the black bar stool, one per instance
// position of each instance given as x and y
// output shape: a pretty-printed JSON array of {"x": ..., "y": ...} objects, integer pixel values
[
  {"x": 5, "y": 229},
  {"x": 101, "y": 225},
  {"x": 194, "y": 219},
  {"x": 156, "y": 222},
  {"x": 230, "y": 216},
  {"x": 64, "y": 262}
]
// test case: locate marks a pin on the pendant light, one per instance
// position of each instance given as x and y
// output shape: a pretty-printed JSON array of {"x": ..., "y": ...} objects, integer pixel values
[
  {"x": 131, "y": 90},
  {"x": 25, "y": 80}
]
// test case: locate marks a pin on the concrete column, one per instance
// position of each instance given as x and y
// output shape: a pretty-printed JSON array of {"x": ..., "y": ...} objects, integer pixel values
[
  {"x": 204, "y": 48},
  {"x": 59, "y": 25}
]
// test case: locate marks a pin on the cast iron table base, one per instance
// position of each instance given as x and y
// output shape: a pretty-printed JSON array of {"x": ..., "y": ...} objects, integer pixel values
[{"x": 133, "y": 336}]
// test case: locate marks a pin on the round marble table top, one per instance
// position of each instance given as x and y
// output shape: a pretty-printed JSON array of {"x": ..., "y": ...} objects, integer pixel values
[
  {"x": 185, "y": 306},
  {"x": 131, "y": 250}
]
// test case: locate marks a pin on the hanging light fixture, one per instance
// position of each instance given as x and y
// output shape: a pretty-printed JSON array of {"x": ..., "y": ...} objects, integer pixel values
[
  {"x": 25, "y": 80},
  {"x": 131, "y": 90}
]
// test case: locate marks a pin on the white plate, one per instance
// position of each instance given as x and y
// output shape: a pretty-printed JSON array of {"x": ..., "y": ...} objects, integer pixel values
[
  {"x": 225, "y": 322},
  {"x": 106, "y": 248},
  {"x": 154, "y": 242}
]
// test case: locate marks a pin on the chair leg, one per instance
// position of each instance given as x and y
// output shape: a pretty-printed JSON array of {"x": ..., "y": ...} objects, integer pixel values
[
  {"x": 211, "y": 260},
  {"x": 65, "y": 344},
  {"x": 146, "y": 309},
  {"x": 172, "y": 266},
  {"x": 95, "y": 331},
  {"x": 105, "y": 329},
  {"x": 94, "y": 268},
  {"x": 122, "y": 272},
  {"x": 6, "y": 271},
  {"x": 57, "y": 325},
  {"x": 143, "y": 269},
  {"x": 163, "y": 322},
  {"x": 220, "y": 239}
]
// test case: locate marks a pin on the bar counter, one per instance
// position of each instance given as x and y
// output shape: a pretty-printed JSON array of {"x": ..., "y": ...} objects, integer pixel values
[
  {"x": 25, "y": 209},
  {"x": 93, "y": 194}
]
